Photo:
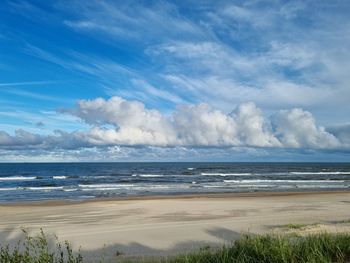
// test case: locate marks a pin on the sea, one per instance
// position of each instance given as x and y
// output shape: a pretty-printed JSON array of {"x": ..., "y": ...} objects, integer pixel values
[{"x": 27, "y": 182}]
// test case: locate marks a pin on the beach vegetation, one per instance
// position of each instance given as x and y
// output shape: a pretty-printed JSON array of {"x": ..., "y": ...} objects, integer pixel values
[
  {"x": 273, "y": 248},
  {"x": 38, "y": 249},
  {"x": 296, "y": 226},
  {"x": 345, "y": 221},
  {"x": 250, "y": 248}
]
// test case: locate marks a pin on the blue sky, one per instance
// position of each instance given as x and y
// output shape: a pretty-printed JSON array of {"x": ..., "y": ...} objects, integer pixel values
[{"x": 174, "y": 80}]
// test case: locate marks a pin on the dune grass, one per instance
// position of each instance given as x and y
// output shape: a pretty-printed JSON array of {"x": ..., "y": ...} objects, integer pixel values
[
  {"x": 38, "y": 250},
  {"x": 317, "y": 248},
  {"x": 270, "y": 248},
  {"x": 294, "y": 226},
  {"x": 297, "y": 226},
  {"x": 345, "y": 221}
]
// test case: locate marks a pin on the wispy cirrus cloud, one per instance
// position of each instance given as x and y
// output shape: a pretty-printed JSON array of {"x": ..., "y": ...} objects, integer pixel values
[
  {"x": 239, "y": 50},
  {"x": 226, "y": 51},
  {"x": 116, "y": 78},
  {"x": 35, "y": 95},
  {"x": 125, "y": 20},
  {"x": 26, "y": 83}
]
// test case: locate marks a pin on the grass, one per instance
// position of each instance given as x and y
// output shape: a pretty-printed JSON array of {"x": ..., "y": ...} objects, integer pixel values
[
  {"x": 294, "y": 226},
  {"x": 270, "y": 248},
  {"x": 37, "y": 250},
  {"x": 297, "y": 226},
  {"x": 316, "y": 248},
  {"x": 346, "y": 221}
]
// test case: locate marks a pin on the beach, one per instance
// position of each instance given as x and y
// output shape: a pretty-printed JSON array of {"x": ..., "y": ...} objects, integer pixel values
[{"x": 164, "y": 225}]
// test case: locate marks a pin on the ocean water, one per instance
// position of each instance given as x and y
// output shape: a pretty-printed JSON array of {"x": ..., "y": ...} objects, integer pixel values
[{"x": 80, "y": 181}]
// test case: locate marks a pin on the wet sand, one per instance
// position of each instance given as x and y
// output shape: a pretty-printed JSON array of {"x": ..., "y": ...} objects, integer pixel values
[{"x": 166, "y": 225}]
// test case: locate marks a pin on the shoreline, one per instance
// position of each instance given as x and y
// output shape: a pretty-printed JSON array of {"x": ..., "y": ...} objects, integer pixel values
[{"x": 223, "y": 195}]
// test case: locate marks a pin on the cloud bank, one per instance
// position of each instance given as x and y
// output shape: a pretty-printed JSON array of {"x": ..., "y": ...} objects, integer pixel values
[{"x": 120, "y": 122}]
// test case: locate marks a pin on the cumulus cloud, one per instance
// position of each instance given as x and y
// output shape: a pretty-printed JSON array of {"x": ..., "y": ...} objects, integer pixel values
[
  {"x": 297, "y": 128},
  {"x": 253, "y": 130},
  {"x": 21, "y": 138},
  {"x": 117, "y": 121},
  {"x": 189, "y": 125},
  {"x": 201, "y": 125},
  {"x": 342, "y": 132},
  {"x": 133, "y": 123}
]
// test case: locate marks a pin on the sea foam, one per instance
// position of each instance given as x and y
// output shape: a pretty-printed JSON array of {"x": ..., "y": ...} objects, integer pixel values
[{"x": 17, "y": 178}]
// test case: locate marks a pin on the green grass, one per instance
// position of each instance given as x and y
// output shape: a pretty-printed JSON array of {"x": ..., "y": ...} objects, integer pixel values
[
  {"x": 294, "y": 226},
  {"x": 297, "y": 226},
  {"x": 37, "y": 250},
  {"x": 271, "y": 248},
  {"x": 346, "y": 221},
  {"x": 317, "y": 248}
]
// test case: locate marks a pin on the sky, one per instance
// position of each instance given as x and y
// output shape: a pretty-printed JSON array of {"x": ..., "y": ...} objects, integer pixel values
[{"x": 103, "y": 80}]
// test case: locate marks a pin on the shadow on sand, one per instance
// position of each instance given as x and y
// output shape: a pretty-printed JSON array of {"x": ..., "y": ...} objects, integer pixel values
[{"x": 116, "y": 252}]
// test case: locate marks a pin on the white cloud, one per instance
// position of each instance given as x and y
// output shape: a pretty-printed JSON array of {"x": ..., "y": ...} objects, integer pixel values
[
  {"x": 26, "y": 83},
  {"x": 156, "y": 92},
  {"x": 253, "y": 130},
  {"x": 21, "y": 138},
  {"x": 135, "y": 124},
  {"x": 297, "y": 129},
  {"x": 190, "y": 125},
  {"x": 200, "y": 125},
  {"x": 130, "y": 21},
  {"x": 342, "y": 132},
  {"x": 117, "y": 121},
  {"x": 203, "y": 126}
]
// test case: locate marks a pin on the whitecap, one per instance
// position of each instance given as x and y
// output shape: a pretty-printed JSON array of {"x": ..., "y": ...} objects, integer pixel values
[
  {"x": 226, "y": 174},
  {"x": 60, "y": 177},
  {"x": 17, "y": 178},
  {"x": 10, "y": 189},
  {"x": 315, "y": 173},
  {"x": 283, "y": 181},
  {"x": 44, "y": 188},
  {"x": 148, "y": 175},
  {"x": 105, "y": 185}
]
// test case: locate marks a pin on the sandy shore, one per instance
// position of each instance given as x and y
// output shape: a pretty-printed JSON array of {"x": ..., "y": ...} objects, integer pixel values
[{"x": 158, "y": 226}]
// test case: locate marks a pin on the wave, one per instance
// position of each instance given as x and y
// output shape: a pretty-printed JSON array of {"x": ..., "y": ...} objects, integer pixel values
[
  {"x": 110, "y": 187},
  {"x": 70, "y": 189},
  {"x": 44, "y": 188},
  {"x": 34, "y": 188},
  {"x": 242, "y": 186},
  {"x": 149, "y": 175},
  {"x": 92, "y": 177},
  {"x": 257, "y": 186},
  {"x": 279, "y": 186},
  {"x": 170, "y": 187},
  {"x": 327, "y": 173},
  {"x": 225, "y": 174},
  {"x": 323, "y": 186},
  {"x": 10, "y": 189},
  {"x": 101, "y": 189},
  {"x": 283, "y": 181},
  {"x": 59, "y": 177},
  {"x": 18, "y": 178},
  {"x": 191, "y": 168},
  {"x": 117, "y": 186},
  {"x": 278, "y": 173}
]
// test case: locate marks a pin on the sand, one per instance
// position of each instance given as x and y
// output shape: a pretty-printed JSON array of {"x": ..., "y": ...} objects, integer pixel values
[{"x": 162, "y": 226}]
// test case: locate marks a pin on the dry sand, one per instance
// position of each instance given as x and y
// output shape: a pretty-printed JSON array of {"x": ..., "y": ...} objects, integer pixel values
[{"x": 160, "y": 226}]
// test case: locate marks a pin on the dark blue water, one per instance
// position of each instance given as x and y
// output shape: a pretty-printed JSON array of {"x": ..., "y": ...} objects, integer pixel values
[{"x": 79, "y": 181}]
